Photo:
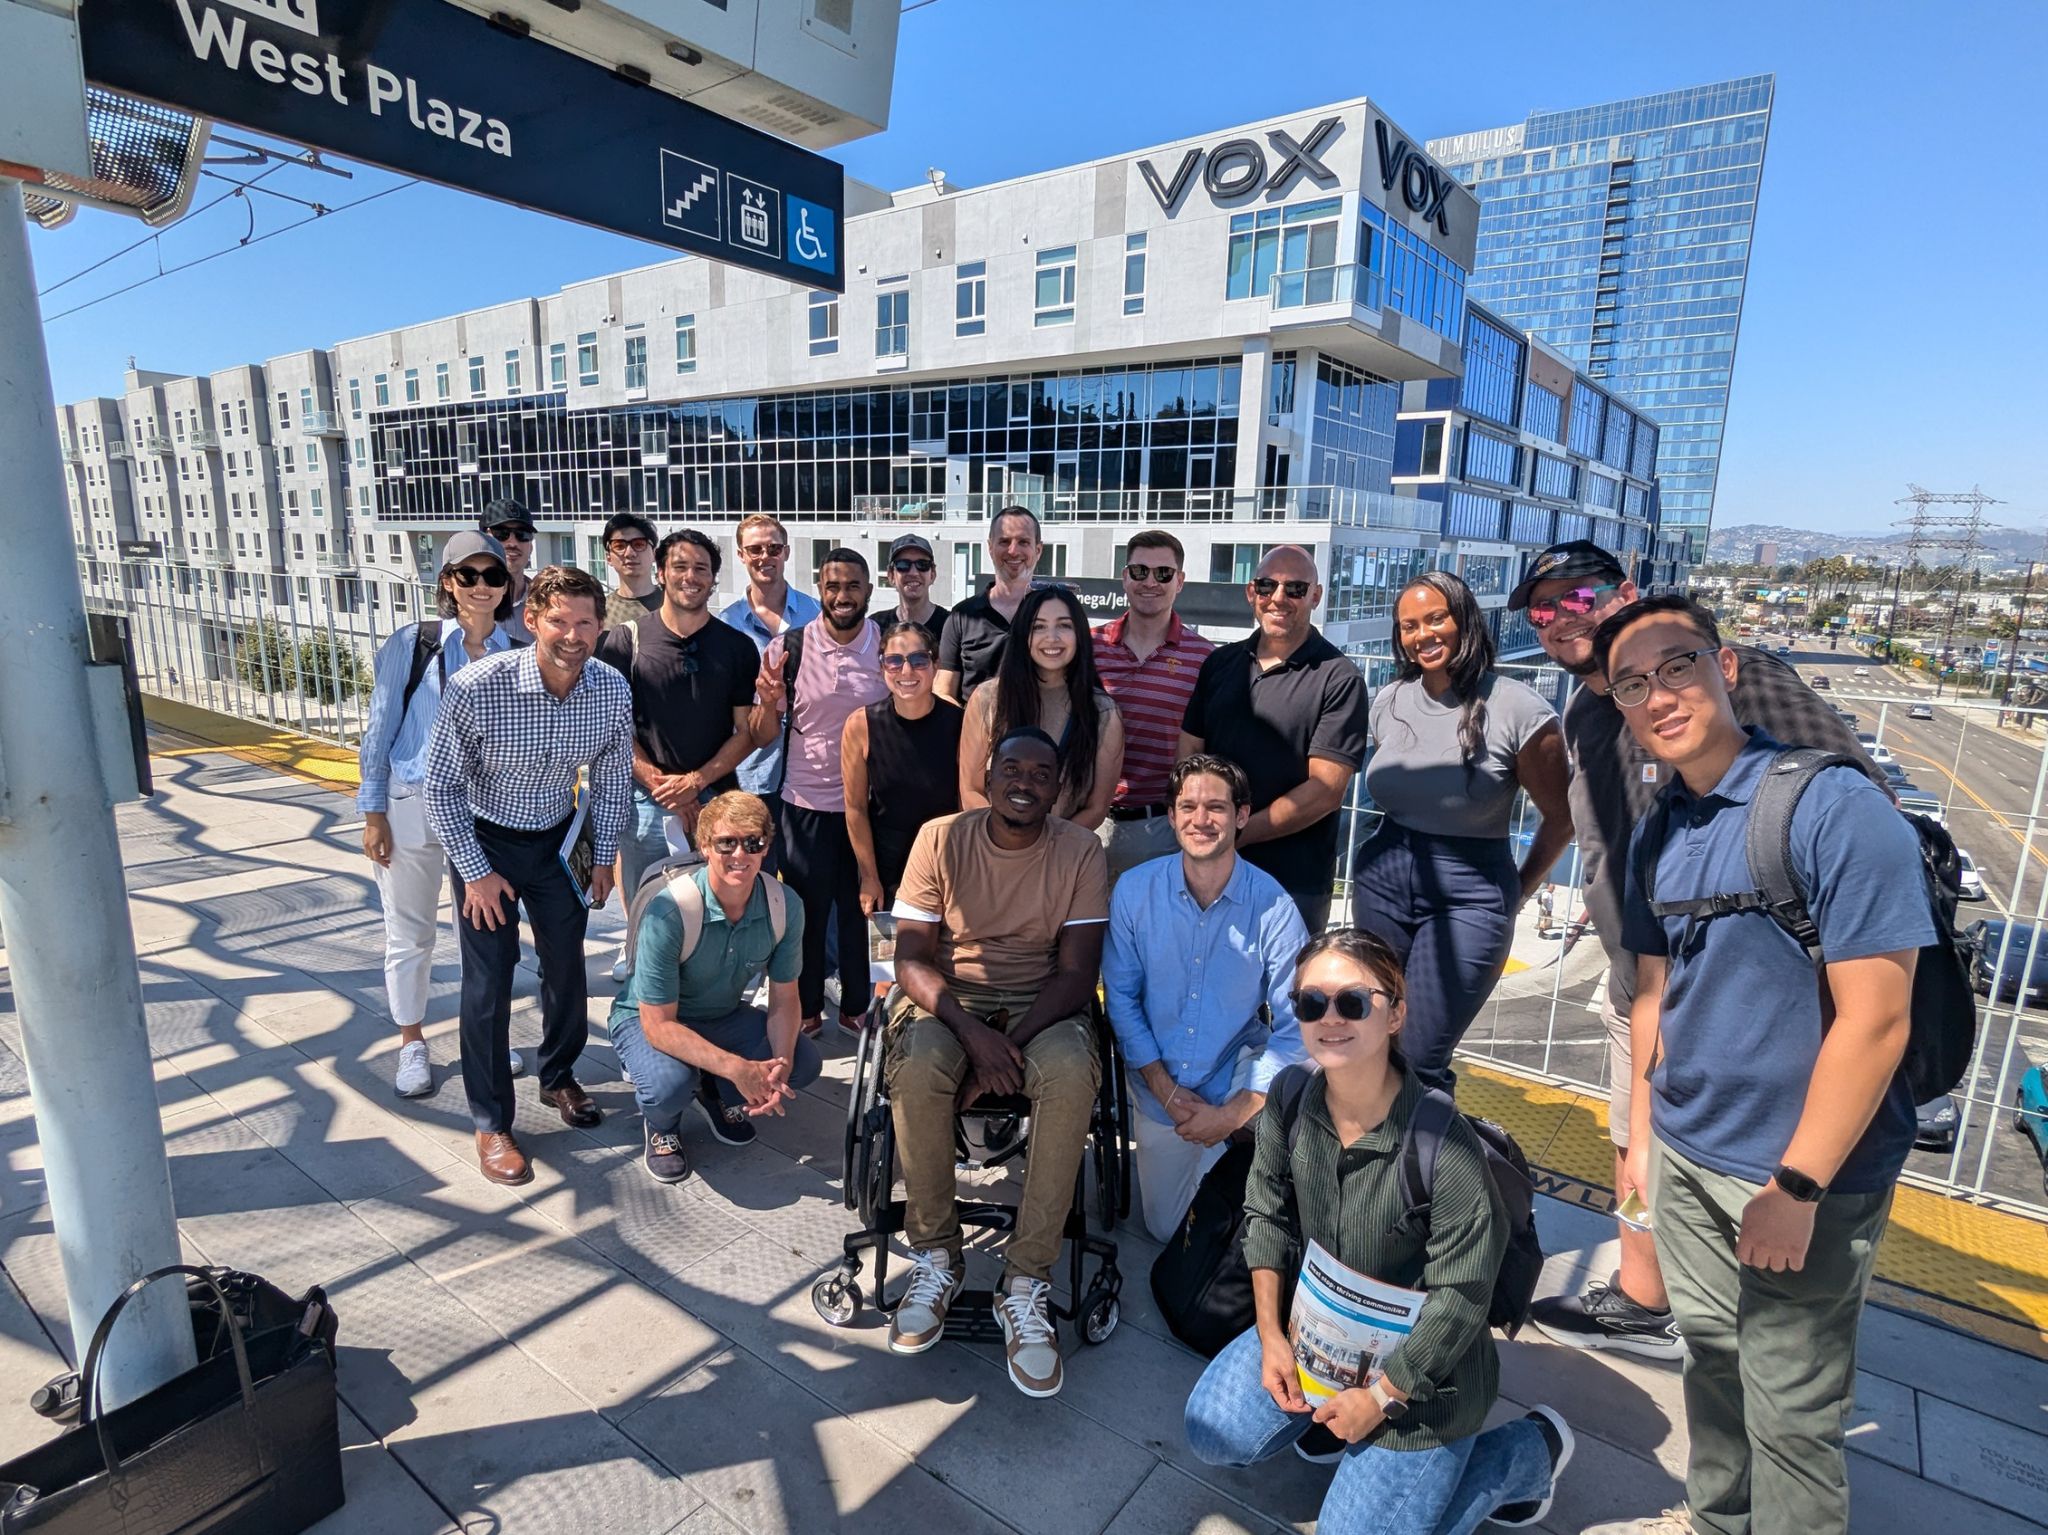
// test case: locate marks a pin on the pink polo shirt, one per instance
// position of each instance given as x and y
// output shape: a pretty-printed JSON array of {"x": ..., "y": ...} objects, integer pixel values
[{"x": 835, "y": 680}]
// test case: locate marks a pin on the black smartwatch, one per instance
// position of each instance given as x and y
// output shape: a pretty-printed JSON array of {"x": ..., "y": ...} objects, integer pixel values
[{"x": 1797, "y": 1184}]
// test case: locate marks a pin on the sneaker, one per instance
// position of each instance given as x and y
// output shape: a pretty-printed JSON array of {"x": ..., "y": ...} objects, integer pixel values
[
  {"x": 1558, "y": 1443},
  {"x": 518, "y": 1063},
  {"x": 1673, "y": 1521},
  {"x": 415, "y": 1072},
  {"x": 921, "y": 1316},
  {"x": 728, "y": 1121},
  {"x": 1320, "y": 1447},
  {"x": 667, "y": 1162},
  {"x": 621, "y": 971},
  {"x": 853, "y": 1025},
  {"x": 1024, "y": 1310},
  {"x": 1605, "y": 1318}
]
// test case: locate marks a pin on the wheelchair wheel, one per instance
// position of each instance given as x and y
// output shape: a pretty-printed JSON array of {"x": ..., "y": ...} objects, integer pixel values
[
  {"x": 837, "y": 1299},
  {"x": 1099, "y": 1316}
]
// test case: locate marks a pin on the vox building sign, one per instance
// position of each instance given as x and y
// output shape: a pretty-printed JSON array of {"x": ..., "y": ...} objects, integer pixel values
[
  {"x": 430, "y": 90},
  {"x": 1240, "y": 166}
]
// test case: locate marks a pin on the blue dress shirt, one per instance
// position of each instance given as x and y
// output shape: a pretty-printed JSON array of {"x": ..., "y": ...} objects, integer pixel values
[
  {"x": 395, "y": 748},
  {"x": 761, "y": 771}
]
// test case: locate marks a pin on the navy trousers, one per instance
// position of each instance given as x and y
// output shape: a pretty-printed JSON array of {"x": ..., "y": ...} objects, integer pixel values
[{"x": 1447, "y": 905}]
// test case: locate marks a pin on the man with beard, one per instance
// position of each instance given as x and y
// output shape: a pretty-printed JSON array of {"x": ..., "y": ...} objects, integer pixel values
[
  {"x": 1570, "y": 589},
  {"x": 999, "y": 937},
  {"x": 513, "y": 732},
  {"x": 979, "y": 628},
  {"x": 811, "y": 679}
]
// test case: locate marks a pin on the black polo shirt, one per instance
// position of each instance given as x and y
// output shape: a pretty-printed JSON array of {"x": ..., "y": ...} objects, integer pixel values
[
  {"x": 684, "y": 690},
  {"x": 1270, "y": 723},
  {"x": 972, "y": 645},
  {"x": 934, "y": 627}
]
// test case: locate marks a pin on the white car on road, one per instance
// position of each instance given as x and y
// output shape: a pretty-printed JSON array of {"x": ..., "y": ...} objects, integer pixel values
[{"x": 1972, "y": 883}]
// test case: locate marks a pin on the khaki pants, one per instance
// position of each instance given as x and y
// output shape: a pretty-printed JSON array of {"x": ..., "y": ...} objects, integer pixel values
[
  {"x": 1770, "y": 1366},
  {"x": 926, "y": 1066}
]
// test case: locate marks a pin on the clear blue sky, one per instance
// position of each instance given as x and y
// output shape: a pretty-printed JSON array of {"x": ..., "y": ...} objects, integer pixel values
[{"x": 1894, "y": 328}]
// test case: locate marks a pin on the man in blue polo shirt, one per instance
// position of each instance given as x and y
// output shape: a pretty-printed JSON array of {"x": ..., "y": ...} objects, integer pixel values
[
  {"x": 1779, "y": 1128},
  {"x": 1197, "y": 944}
]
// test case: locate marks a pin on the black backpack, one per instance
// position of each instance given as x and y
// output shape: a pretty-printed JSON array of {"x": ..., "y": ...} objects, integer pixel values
[
  {"x": 1943, "y": 1030},
  {"x": 1204, "y": 1287}
]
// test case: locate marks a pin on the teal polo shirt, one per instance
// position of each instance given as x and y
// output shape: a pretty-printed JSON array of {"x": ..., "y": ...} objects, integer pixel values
[{"x": 729, "y": 956}]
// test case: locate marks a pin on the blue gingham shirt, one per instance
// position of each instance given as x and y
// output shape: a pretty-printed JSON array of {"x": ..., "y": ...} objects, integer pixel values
[
  {"x": 761, "y": 771},
  {"x": 1183, "y": 985},
  {"x": 394, "y": 748},
  {"x": 507, "y": 750}
]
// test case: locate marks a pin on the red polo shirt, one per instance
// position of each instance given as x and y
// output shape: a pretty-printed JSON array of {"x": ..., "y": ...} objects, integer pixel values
[{"x": 1152, "y": 695}]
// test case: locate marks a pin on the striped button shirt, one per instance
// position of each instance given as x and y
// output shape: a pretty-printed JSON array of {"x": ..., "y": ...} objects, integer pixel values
[
  {"x": 507, "y": 750},
  {"x": 1152, "y": 695}
]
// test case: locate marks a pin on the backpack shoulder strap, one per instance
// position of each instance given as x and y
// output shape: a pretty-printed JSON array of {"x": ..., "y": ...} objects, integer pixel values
[
  {"x": 1769, "y": 841},
  {"x": 690, "y": 902},
  {"x": 665, "y": 881},
  {"x": 777, "y": 894},
  {"x": 426, "y": 650},
  {"x": 792, "y": 664},
  {"x": 1431, "y": 1122},
  {"x": 1287, "y": 1088}
]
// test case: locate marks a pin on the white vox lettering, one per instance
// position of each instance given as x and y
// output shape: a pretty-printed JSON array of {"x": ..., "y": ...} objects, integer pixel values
[
  {"x": 1424, "y": 188},
  {"x": 1237, "y": 167}
]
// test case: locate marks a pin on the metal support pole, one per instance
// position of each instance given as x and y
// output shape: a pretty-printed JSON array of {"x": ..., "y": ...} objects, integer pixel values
[
  {"x": 2019, "y": 627},
  {"x": 63, "y": 901}
]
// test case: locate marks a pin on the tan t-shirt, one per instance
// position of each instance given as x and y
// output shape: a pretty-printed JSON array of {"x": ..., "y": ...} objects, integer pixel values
[{"x": 999, "y": 912}]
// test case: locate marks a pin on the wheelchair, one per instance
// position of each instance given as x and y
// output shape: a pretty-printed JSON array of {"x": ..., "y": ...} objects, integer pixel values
[{"x": 990, "y": 1132}]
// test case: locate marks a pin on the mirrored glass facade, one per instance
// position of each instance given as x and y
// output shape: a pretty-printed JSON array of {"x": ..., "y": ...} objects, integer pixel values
[{"x": 1620, "y": 234}]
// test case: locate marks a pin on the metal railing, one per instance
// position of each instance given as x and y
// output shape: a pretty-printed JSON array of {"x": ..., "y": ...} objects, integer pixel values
[
  {"x": 1345, "y": 283},
  {"x": 322, "y": 423},
  {"x": 1341, "y": 505}
]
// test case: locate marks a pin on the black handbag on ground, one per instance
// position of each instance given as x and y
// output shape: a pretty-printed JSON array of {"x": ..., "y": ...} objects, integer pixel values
[{"x": 246, "y": 1442}]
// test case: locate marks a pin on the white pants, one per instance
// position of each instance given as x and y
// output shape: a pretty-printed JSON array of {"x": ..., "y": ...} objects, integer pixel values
[
  {"x": 410, "y": 890},
  {"x": 1169, "y": 1168}
]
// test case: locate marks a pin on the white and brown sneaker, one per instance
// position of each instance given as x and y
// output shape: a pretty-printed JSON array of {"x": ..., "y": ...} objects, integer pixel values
[
  {"x": 1024, "y": 1311},
  {"x": 920, "y": 1319}
]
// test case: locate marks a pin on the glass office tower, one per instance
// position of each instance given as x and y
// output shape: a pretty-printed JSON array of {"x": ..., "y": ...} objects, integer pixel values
[{"x": 1620, "y": 235}]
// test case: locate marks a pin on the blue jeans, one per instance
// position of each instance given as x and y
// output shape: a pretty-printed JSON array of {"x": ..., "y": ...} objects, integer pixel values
[
  {"x": 665, "y": 1085},
  {"x": 1450, "y": 1490}
]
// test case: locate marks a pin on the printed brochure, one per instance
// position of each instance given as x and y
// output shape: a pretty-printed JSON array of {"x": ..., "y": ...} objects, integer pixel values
[{"x": 1344, "y": 1324}]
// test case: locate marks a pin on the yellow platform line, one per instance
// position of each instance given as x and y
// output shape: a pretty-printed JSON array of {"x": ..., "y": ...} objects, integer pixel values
[{"x": 333, "y": 766}]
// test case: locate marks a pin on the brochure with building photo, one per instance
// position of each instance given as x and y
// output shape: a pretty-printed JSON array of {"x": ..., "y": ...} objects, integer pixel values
[
  {"x": 1344, "y": 1324},
  {"x": 578, "y": 853}
]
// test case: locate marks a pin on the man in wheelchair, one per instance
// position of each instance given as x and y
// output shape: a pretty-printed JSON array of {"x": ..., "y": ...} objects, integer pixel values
[{"x": 1000, "y": 918}]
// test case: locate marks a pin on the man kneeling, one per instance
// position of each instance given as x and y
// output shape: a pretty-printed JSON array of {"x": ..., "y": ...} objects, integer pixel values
[
  {"x": 1000, "y": 919},
  {"x": 698, "y": 947}
]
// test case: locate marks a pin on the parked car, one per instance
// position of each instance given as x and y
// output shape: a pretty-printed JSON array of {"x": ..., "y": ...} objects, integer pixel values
[
  {"x": 1895, "y": 775},
  {"x": 1934, "y": 1127},
  {"x": 1920, "y": 712},
  {"x": 1846, "y": 716},
  {"x": 1879, "y": 752},
  {"x": 1919, "y": 802},
  {"x": 1985, "y": 937},
  {"x": 1784, "y": 650},
  {"x": 2030, "y": 1115},
  {"x": 1820, "y": 680},
  {"x": 1971, "y": 881}
]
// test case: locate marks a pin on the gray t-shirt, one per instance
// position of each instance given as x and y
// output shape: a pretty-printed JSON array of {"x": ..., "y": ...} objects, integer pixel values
[{"x": 1417, "y": 772}]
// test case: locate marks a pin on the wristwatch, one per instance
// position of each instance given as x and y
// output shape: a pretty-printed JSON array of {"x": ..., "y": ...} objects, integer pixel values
[
  {"x": 1392, "y": 1408},
  {"x": 1797, "y": 1184}
]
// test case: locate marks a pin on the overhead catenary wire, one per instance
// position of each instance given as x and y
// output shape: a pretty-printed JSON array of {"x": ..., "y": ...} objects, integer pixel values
[{"x": 154, "y": 235}]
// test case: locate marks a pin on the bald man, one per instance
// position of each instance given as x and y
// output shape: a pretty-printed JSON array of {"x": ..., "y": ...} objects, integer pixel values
[{"x": 1285, "y": 705}]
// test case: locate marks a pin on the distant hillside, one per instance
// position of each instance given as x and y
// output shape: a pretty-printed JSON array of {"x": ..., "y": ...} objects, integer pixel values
[{"x": 1737, "y": 545}]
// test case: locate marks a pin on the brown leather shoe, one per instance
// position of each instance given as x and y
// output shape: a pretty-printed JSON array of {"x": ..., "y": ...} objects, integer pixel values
[
  {"x": 573, "y": 1104},
  {"x": 501, "y": 1159}
]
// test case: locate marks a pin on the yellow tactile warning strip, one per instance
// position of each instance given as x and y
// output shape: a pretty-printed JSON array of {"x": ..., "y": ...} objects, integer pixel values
[
  {"x": 1976, "y": 1269},
  {"x": 1981, "y": 1270}
]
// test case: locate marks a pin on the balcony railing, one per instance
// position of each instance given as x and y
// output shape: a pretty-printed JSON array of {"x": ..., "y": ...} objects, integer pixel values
[
  {"x": 322, "y": 423},
  {"x": 206, "y": 438},
  {"x": 73, "y": 454},
  {"x": 1338, "y": 504},
  {"x": 158, "y": 444},
  {"x": 1346, "y": 283},
  {"x": 117, "y": 447}
]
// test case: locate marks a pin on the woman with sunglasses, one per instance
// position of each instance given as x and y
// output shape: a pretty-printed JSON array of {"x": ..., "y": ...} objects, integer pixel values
[
  {"x": 899, "y": 755},
  {"x": 1049, "y": 682},
  {"x": 1414, "y": 1456},
  {"x": 1453, "y": 742},
  {"x": 475, "y": 597}
]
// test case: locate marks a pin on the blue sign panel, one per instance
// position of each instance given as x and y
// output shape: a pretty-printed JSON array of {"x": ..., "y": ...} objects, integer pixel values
[{"x": 430, "y": 90}]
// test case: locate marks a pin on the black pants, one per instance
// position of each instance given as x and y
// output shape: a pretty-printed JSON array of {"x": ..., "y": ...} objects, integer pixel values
[
  {"x": 818, "y": 864},
  {"x": 530, "y": 861}
]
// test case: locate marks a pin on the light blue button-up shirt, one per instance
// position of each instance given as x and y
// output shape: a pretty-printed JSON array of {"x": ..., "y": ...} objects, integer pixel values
[
  {"x": 1184, "y": 985},
  {"x": 394, "y": 748},
  {"x": 761, "y": 770}
]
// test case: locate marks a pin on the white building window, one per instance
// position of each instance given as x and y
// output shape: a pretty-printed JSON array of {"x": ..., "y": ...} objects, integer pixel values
[
  {"x": 412, "y": 391},
  {"x": 476, "y": 377},
  {"x": 1053, "y": 294},
  {"x": 892, "y": 322},
  {"x": 355, "y": 402},
  {"x": 512, "y": 371},
  {"x": 686, "y": 343},
  {"x": 440, "y": 381},
  {"x": 1134, "y": 274},
  {"x": 382, "y": 385},
  {"x": 824, "y": 324},
  {"x": 970, "y": 298},
  {"x": 558, "y": 365},
  {"x": 586, "y": 359},
  {"x": 636, "y": 362}
]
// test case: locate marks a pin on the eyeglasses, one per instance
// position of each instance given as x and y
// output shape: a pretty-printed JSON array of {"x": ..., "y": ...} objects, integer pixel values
[
  {"x": 469, "y": 575},
  {"x": 725, "y": 847},
  {"x": 917, "y": 661},
  {"x": 1163, "y": 574},
  {"x": 1673, "y": 675},
  {"x": 1265, "y": 586},
  {"x": 762, "y": 551},
  {"x": 1353, "y": 1003},
  {"x": 905, "y": 567},
  {"x": 629, "y": 545},
  {"x": 1576, "y": 603},
  {"x": 518, "y": 531}
]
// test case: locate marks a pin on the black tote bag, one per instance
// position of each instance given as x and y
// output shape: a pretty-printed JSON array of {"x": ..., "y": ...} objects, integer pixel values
[{"x": 244, "y": 1443}]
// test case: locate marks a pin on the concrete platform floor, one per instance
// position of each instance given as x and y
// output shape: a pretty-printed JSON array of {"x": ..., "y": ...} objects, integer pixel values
[{"x": 596, "y": 1351}]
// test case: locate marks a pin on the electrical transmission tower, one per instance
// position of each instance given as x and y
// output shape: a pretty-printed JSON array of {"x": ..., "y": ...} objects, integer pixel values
[{"x": 1952, "y": 530}]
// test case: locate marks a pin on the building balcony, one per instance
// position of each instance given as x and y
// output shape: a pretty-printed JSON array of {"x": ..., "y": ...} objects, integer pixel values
[
  {"x": 158, "y": 444},
  {"x": 204, "y": 438},
  {"x": 331, "y": 564},
  {"x": 117, "y": 447},
  {"x": 322, "y": 423},
  {"x": 1341, "y": 310},
  {"x": 1336, "y": 505},
  {"x": 73, "y": 454}
]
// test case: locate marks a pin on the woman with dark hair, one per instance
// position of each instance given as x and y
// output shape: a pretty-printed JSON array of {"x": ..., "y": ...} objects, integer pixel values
[
  {"x": 899, "y": 755},
  {"x": 1406, "y": 1426},
  {"x": 474, "y": 594},
  {"x": 1049, "y": 682},
  {"x": 1453, "y": 740}
]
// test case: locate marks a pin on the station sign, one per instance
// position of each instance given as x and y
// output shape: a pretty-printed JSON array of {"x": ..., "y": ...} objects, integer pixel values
[
  {"x": 1213, "y": 607},
  {"x": 431, "y": 90}
]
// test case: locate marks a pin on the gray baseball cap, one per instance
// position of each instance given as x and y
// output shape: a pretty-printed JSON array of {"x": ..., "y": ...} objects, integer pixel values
[
  {"x": 915, "y": 541},
  {"x": 465, "y": 546}
]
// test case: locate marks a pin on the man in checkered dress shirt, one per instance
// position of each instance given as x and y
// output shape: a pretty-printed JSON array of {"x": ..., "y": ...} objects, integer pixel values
[{"x": 513, "y": 732}]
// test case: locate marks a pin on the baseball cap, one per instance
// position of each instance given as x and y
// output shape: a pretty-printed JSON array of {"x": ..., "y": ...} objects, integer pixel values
[
  {"x": 502, "y": 511},
  {"x": 915, "y": 541},
  {"x": 465, "y": 546},
  {"x": 1575, "y": 558}
]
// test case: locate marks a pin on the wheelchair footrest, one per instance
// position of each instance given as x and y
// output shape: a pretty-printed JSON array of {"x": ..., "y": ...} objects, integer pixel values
[{"x": 972, "y": 1318}]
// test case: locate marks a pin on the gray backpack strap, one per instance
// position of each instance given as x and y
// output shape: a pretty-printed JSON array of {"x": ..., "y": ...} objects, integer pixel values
[
  {"x": 777, "y": 894},
  {"x": 664, "y": 879}
]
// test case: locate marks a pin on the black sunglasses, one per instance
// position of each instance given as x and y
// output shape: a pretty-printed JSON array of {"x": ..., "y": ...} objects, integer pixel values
[
  {"x": 1353, "y": 1003},
  {"x": 906, "y": 566},
  {"x": 469, "y": 575},
  {"x": 519, "y": 530},
  {"x": 1265, "y": 586},
  {"x": 1163, "y": 574},
  {"x": 725, "y": 847}
]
